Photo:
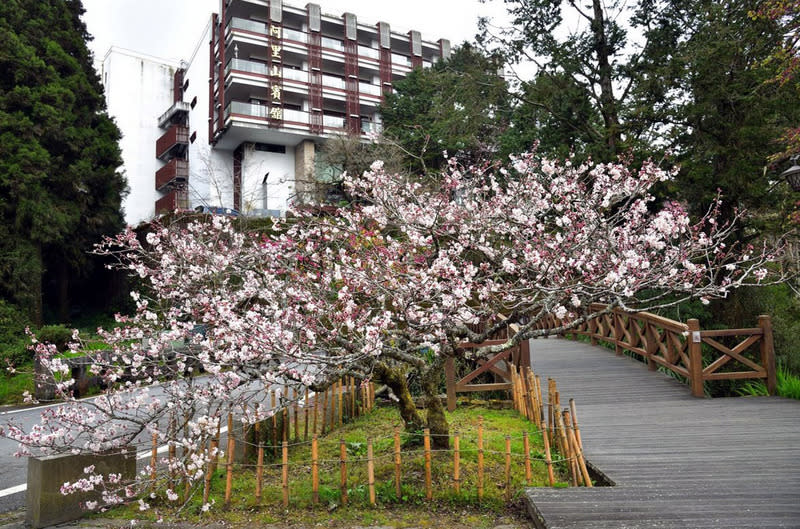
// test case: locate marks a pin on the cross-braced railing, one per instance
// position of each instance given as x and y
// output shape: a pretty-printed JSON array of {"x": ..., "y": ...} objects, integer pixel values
[{"x": 730, "y": 354}]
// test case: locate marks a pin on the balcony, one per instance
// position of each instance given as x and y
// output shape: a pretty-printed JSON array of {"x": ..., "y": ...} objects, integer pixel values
[
  {"x": 371, "y": 53},
  {"x": 176, "y": 113},
  {"x": 249, "y": 25},
  {"x": 175, "y": 173},
  {"x": 241, "y": 65},
  {"x": 370, "y": 89},
  {"x": 371, "y": 128},
  {"x": 240, "y": 108},
  {"x": 172, "y": 143},
  {"x": 170, "y": 202}
]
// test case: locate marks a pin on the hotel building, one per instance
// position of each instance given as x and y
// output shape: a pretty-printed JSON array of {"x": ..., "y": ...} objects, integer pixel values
[{"x": 239, "y": 123}]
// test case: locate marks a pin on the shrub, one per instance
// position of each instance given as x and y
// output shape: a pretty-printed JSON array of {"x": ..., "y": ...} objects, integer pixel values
[
  {"x": 58, "y": 335},
  {"x": 13, "y": 341}
]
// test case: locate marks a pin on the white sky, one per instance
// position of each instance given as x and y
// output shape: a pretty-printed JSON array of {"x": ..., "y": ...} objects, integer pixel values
[{"x": 170, "y": 29}]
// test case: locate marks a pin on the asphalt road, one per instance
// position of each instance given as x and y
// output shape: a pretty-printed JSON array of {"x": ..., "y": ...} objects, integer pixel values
[{"x": 14, "y": 470}]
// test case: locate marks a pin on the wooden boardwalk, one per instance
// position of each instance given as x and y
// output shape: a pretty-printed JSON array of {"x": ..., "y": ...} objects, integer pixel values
[{"x": 677, "y": 461}]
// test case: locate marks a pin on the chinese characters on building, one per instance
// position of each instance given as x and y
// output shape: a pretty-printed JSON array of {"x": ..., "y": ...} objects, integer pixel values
[{"x": 275, "y": 49}]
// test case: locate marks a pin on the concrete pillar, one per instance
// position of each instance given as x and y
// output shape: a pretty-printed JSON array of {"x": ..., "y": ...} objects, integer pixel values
[{"x": 304, "y": 181}]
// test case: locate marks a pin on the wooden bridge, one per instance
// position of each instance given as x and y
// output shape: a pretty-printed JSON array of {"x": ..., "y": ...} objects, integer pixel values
[
  {"x": 676, "y": 461},
  {"x": 672, "y": 460}
]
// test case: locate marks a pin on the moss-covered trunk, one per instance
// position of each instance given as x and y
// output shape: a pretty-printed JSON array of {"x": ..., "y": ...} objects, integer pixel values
[
  {"x": 395, "y": 378},
  {"x": 437, "y": 421}
]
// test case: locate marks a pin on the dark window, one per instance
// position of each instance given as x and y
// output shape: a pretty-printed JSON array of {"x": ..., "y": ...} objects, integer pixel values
[
  {"x": 186, "y": 85},
  {"x": 194, "y": 102},
  {"x": 269, "y": 147},
  {"x": 193, "y": 137}
]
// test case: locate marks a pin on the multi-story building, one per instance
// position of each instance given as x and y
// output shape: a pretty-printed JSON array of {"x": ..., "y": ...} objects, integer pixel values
[{"x": 239, "y": 122}]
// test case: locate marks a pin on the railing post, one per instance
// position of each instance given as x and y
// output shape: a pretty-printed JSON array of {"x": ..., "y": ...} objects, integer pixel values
[
  {"x": 695, "y": 346},
  {"x": 525, "y": 353},
  {"x": 650, "y": 334},
  {"x": 617, "y": 332},
  {"x": 768, "y": 353},
  {"x": 450, "y": 378}
]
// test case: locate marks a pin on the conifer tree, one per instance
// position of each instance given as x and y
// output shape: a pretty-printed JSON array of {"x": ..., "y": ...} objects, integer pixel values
[{"x": 59, "y": 154}]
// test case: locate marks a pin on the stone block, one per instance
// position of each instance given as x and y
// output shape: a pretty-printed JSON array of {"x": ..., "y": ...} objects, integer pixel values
[{"x": 46, "y": 505}]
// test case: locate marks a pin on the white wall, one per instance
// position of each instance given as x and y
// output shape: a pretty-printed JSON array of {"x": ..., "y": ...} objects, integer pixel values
[
  {"x": 279, "y": 186},
  {"x": 138, "y": 90}
]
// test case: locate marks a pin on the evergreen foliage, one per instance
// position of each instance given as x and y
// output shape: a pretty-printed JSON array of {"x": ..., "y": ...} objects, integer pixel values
[
  {"x": 459, "y": 106},
  {"x": 59, "y": 186}
]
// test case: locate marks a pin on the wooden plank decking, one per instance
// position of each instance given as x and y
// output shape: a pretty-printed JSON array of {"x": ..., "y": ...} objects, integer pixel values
[{"x": 677, "y": 461}]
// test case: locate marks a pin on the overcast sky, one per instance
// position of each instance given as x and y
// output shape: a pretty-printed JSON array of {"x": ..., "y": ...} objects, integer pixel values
[{"x": 171, "y": 29}]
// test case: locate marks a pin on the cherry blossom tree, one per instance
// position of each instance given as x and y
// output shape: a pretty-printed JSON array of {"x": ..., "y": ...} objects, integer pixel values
[{"x": 389, "y": 285}]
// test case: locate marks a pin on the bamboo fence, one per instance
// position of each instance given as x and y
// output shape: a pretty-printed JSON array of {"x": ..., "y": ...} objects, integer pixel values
[{"x": 265, "y": 446}]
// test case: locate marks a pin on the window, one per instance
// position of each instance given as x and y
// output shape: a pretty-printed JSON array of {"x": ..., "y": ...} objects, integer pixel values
[
  {"x": 194, "y": 102},
  {"x": 269, "y": 147}
]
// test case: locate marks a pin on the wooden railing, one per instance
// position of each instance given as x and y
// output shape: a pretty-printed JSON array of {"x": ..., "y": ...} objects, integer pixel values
[
  {"x": 500, "y": 365},
  {"x": 678, "y": 347},
  {"x": 675, "y": 346}
]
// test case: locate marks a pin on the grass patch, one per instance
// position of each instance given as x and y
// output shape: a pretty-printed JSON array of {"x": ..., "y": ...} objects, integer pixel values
[
  {"x": 460, "y": 509},
  {"x": 788, "y": 385},
  {"x": 12, "y": 386}
]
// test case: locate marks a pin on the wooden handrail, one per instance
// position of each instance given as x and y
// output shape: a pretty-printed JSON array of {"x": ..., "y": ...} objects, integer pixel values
[
  {"x": 678, "y": 347},
  {"x": 672, "y": 345}
]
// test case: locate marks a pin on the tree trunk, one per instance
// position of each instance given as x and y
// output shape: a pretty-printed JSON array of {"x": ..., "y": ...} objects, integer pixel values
[
  {"x": 608, "y": 103},
  {"x": 437, "y": 421},
  {"x": 62, "y": 291},
  {"x": 395, "y": 379}
]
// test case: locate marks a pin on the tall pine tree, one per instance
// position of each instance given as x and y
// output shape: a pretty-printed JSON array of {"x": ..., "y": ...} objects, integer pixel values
[{"x": 59, "y": 154}]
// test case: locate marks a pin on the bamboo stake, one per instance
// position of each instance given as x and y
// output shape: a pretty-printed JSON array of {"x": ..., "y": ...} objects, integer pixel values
[
  {"x": 332, "y": 389},
  {"x": 537, "y": 418},
  {"x": 427, "y": 446},
  {"x": 305, "y": 417},
  {"x": 341, "y": 409},
  {"x": 187, "y": 454},
  {"x": 172, "y": 452},
  {"x": 285, "y": 425},
  {"x": 397, "y": 461},
  {"x": 259, "y": 463},
  {"x": 324, "y": 410},
  {"x": 371, "y": 472},
  {"x": 154, "y": 459},
  {"x": 508, "y": 467},
  {"x": 229, "y": 474},
  {"x": 576, "y": 450},
  {"x": 343, "y": 470},
  {"x": 548, "y": 460},
  {"x": 296, "y": 418},
  {"x": 514, "y": 386},
  {"x": 566, "y": 449},
  {"x": 480, "y": 457},
  {"x": 364, "y": 395},
  {"x": 332, "y": 401},
  {"x": 540, "y": 399},
  {"x": 526, "y": 445},
  {"x": 316, "y": 413},
  {"x": 574, "y": 415},
  {"x": 314, "y": 471},
  {"x": 215, "y": 446},
  {"x": 529, "y": 404},
  {"x": 285, "y": 472},
  {"x": 274, "y": 404},
  {"x": 353, "y": 410},
  {"x": 212, "y": 453},
  {"x": 456, "y": 464},
  {"x": 559, "y": 423},
  {"x": 551, "y": 414}
]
